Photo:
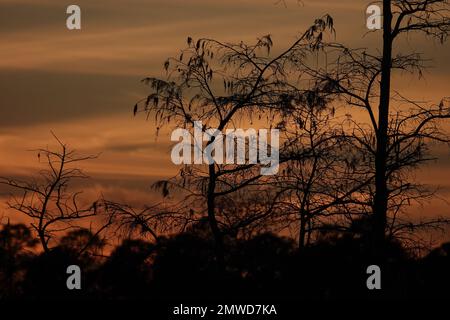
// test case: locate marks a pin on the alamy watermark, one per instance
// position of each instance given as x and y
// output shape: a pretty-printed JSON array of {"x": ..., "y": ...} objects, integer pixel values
[
  {"x": 374, "y": 16},
  {"x": 74, "y": 279},
  {"x": 73, "y": 22},
  {"x": 241, "y": 147}
]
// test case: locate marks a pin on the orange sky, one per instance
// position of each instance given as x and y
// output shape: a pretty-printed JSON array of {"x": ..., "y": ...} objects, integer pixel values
[{"x": 83, "y": 84}]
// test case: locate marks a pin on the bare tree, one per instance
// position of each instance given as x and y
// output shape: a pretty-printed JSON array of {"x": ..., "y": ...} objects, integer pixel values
[
  {"x": 47, "y": 199},
  {"x": 397, "y": 141},
  {"x": 321, "y": 176}
]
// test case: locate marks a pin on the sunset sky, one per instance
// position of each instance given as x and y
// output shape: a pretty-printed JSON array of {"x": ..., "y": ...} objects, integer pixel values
[{"x": 82, "y": 84}]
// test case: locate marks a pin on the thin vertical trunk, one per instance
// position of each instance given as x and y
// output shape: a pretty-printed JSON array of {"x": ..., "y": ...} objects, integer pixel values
[
  {"x": 308, "y": 238},
  {"x": 218, "y": 237},
  {"x": 381, "y": 191},
  {"x": 43, "y": 241},
  {"x": 304, "y": 208}
]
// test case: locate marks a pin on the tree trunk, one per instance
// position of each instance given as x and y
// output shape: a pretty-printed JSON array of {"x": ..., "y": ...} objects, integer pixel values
[
  {"x": 381, "y": 191},
  {"x": 218, "y": 237},
  {"x": 41, "y": 231}
]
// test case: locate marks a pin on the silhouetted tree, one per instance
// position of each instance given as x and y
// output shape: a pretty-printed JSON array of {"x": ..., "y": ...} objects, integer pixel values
[
  {"x": 255, "y": 85},
  {"x": 320, "y": 181},
  {"x": 397, "y": 141},
  {"x": 16, "y": 245},
  {"x": 47, "y": 199}
]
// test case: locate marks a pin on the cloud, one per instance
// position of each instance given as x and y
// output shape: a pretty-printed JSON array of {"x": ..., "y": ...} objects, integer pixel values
[{"x": 40, "y": 97}]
